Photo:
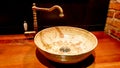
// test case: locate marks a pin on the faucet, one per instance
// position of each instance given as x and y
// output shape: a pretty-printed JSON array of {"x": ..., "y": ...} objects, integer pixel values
[
  {"x": 34, "y": 8},
  {"x": 49, "y": 9},
  {"x": 31, "y": 34}
]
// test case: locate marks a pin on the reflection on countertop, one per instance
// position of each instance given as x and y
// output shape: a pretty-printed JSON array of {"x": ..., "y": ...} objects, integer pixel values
[{"x": 16, "y": 51}]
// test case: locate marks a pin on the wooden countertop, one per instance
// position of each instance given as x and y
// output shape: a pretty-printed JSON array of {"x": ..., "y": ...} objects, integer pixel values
[{"x": 18, "y": 52}]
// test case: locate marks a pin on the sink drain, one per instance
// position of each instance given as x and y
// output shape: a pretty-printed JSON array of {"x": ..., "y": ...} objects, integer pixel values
[{"x": 65, "y": 49}]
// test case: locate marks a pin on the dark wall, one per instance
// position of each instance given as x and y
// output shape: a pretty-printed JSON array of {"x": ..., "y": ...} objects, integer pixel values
[
  {"x": 12, "y": 15},
  {"x": 87, "y": 14}
]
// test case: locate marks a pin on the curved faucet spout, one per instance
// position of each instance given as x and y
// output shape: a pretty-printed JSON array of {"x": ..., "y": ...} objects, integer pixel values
[
  {"x": 50, "y": 9},
  {"x": 59, "y": 8}
]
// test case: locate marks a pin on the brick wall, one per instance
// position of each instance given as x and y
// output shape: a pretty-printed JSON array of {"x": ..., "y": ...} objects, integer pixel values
[{"x": 112, "y": 27}]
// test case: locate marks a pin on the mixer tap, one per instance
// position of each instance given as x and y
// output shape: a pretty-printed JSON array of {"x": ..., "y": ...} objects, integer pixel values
[
  {"x": 49, "y": 9},
  {"x": 31, "y": 34}
]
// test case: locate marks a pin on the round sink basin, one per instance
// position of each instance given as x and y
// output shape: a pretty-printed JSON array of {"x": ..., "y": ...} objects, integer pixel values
[{"x": 65, "y": 44}]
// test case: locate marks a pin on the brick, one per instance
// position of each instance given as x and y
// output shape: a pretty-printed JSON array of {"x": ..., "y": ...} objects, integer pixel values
[
  {"x": 110, "y": 13},
  {"x": 115, "y": 6},
  {"x": 117, "y": 15},
  {"x": 116, "y": 23}
]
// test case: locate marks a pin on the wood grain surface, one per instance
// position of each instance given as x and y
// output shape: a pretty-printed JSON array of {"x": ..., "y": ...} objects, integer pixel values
[{"x": 18, "y": 52}]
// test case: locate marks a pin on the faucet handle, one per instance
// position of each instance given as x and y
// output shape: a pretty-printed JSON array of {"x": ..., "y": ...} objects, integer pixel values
[{"x": 34, "y": 4}]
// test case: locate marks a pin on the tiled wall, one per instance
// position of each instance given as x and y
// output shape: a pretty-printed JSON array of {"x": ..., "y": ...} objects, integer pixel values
[{"x": 113, "y": 19}]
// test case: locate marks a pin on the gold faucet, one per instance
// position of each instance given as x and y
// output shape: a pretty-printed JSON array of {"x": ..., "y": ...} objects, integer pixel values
[
  {"x": 31, "y": 34},
  {"x": 34, "y": 8},
  {"x": 49, "y": 9}
]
